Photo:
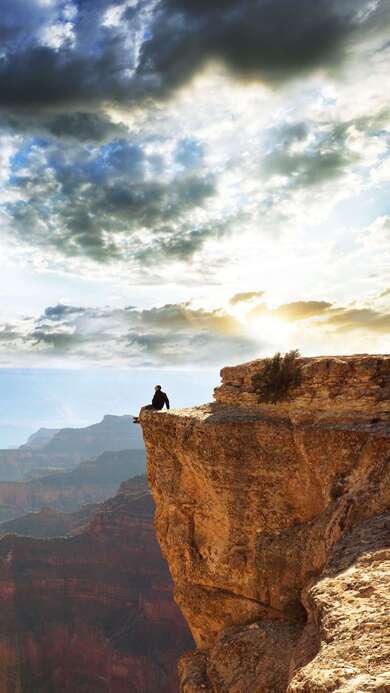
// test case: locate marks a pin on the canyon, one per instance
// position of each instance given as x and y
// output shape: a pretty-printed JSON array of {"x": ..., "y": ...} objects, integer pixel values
[
  {"x": 85, "y": 595},
  {"x": 93, "y": 611},
  {"x": 50, "y": 450},
  {"x": 275, "y": 522},
  {"x": 91, "y": 481},
  {"x": 64, "y": 469}
]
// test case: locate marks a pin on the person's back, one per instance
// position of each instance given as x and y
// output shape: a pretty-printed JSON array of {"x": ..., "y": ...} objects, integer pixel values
[{"x": 159, "y": 399}]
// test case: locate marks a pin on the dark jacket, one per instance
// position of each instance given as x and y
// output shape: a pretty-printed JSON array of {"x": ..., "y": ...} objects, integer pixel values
[{"x": 160, "y": 399}]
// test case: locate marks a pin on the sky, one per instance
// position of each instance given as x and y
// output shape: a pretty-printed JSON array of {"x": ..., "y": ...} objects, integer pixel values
[{"x": 186, "y": 184}]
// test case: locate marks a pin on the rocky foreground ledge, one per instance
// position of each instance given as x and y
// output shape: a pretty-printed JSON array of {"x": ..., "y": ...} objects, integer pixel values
[{"x": 275, "y": 522}]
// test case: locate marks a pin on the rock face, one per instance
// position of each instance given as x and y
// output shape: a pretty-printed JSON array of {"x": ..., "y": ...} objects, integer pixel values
[
  {"x": 273, "y": 519},
  {"x": 92, "y": 613}
]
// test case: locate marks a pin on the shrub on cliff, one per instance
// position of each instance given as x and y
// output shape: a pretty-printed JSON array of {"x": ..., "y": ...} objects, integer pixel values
[{"x": 279, "y": 375}]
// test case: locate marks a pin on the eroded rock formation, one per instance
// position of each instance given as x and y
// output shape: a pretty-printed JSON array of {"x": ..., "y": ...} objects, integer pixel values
[
  {"x": 92, "y": 613},
  {"x": 92, "y": 481},
  {"x": 274, "y": 521},
  {"x": 55, "y": 450}
]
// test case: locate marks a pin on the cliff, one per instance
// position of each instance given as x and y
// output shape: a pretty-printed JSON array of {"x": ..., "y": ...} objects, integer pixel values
[
  {"x": 93, "y": 612},
  {"x": 274, "y": 519}
]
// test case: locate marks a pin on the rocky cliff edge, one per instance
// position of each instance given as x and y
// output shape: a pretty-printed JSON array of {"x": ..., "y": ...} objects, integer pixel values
[{"x": 275, "y": 522}]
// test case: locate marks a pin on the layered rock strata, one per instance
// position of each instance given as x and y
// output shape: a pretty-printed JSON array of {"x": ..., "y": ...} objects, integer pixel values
[
  {"x": 48, "y": 523},
  {"x": 92, "y": 613},
  {"x": 273, "y": 519},
  {"x": 55, "y": 450},
  {"x": 92, "y": 481}
]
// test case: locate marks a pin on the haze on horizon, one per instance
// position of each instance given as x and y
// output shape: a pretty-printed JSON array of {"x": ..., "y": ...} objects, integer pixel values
[{"x": 185, "y": 184}]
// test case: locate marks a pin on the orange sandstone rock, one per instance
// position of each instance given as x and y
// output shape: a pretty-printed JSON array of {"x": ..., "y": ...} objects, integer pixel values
[{"x": 251, "y": 501}]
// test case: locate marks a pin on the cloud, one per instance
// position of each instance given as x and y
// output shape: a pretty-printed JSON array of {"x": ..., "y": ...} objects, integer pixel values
[
  {"x": 184, "y": 317},
  {"x": 73, "y": 126},
  {"x": 348, "y": 320},
  {"x": 115, "y": 171},
  {"x": 61, "y": 58},
  {"x": 327, "y": 317},
  {"x": 170, "y": 335},
  {"x": 79, "y": 56},
  {"x": 301, "y": 310},
  {"x": 8, "y": 333},
  {"x": 309, "y": 156},
  {"x": 270, "y": 40},
  {"x": 95, "y": 202},
  {"x": 182, "y": 335},
  {"x": 245, "y": 297},
  {"x": 61, "y": 311}
]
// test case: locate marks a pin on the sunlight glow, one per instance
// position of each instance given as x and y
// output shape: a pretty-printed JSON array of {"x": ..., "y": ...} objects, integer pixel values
[{"x": 272, "y": 330}]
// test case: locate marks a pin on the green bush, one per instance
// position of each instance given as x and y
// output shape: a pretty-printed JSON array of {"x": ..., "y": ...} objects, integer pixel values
[{"x": 279, "y": 375}]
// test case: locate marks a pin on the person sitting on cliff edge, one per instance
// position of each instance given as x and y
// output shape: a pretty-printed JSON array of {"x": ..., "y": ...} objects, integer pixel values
[{"x": 159, "y": 400}]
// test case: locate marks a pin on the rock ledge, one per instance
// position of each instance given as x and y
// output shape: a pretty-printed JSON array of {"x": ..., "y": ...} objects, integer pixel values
[{"x": 274, "y": 520}]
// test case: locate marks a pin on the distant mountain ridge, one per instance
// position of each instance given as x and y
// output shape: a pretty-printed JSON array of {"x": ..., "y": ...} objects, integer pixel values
[
  {"x": 67, "y": 447},
  {"x": 92, "y": 481},
  {"x": 39, "y": 439},
  {"x": 48, "y": 523},
  {"x": 113, "y": 433}
]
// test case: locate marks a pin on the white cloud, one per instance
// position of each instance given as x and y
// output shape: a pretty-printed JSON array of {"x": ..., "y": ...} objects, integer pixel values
[{"x": 283, "y": 209}]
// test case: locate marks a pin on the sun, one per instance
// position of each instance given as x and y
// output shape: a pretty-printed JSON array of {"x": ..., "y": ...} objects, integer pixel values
[{"x": 271, "y": 330}]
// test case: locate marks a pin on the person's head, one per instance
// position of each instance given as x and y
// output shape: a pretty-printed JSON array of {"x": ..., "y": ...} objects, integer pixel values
[{"x": 157, "y": 388}]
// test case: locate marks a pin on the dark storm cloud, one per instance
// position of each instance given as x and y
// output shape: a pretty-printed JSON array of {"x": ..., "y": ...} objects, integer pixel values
[
  {"x": 85, "y": 127},
  {"x": 96, "y": 64},
  {"x": 272, "y": 40},
  {"x": 87, "y": 202},
  {"x": 79, "y": 126},
  {"x": 85, "y": 185},
  {"x": 91, "y": 65}
]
